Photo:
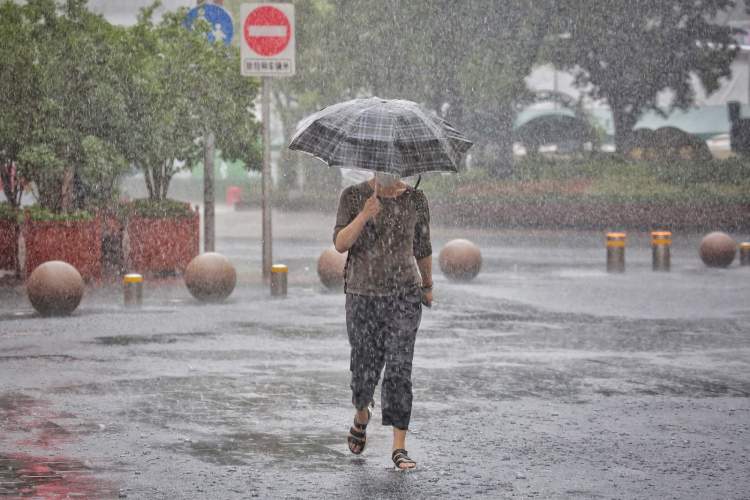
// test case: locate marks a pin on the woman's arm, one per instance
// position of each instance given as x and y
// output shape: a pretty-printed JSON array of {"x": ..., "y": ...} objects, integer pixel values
[
  {"x": 425, "y": 269},
  {"x": 347, "y": 236},
  {"x": 423, "y": 247}
]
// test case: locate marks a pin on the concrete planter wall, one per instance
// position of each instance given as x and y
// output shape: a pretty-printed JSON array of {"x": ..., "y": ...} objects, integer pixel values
[
  {"x": 161, "y": 245},
  {"x": 79, "y": 243},
  {"x": 8, "y": 244}
]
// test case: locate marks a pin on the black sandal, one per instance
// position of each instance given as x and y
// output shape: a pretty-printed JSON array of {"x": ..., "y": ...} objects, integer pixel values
[
  {"x": 358, "y": 435},
  {"x": 400, "y": 457}
]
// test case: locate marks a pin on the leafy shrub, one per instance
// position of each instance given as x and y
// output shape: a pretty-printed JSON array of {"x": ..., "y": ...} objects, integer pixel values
[
  {"x": 100, "y": 170},
  {"x": 735, "y": 171},
  {"x": 46, "y": 170},
  {"x": 7, "y": 211},
  {"x": 152, "y": 209},
  {"x": 42, "y": 214},
  {"x": 602, "y": 177}
]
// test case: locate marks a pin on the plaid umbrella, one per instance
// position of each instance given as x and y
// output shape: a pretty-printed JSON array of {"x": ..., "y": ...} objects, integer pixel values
[{"x": 392, "y": 136}]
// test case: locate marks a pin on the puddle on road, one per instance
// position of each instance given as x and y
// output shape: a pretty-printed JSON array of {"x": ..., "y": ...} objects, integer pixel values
[
  {"x": 24, "y": 475},
  {"x": 17, "y": 315},
  {"x": 161, "y": 338},
  {"x": 293, "y": 331},
  {"x": 29, "y": 424},
  {"x": 52, "y": 357},
  {"x": 86, "y": 311},
  {"x": 246, "y": 447},
  {"x": 12, "y": 404}
]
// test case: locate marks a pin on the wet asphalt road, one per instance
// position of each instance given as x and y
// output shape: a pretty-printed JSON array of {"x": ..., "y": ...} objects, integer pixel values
[{"x": 543, "y": 378}]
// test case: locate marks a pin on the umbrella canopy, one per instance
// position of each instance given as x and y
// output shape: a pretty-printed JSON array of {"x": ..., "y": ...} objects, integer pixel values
[{"x": 382, "y": 135}]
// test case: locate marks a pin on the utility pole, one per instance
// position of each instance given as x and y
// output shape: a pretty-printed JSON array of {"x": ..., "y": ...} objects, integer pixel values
[
  {"x": 266, "y": 179},
  {"x": 208, "y": 192}
]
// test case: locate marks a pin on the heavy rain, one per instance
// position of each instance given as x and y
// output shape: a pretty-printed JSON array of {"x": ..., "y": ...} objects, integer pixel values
[{"x": 387, "y": 249}]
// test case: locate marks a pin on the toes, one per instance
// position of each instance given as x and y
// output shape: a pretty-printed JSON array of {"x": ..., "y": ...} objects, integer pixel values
[{"x": 356, "y": 448}]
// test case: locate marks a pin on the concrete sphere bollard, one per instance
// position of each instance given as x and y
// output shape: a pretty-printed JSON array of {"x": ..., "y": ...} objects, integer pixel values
[
  {"x": 331, "y": 265},
  {"x": 718, "y": 249},
  {"x": 460, "y": 260},
  {"x": 210, "y": 277},
  {"x": 55, "y": 288}
]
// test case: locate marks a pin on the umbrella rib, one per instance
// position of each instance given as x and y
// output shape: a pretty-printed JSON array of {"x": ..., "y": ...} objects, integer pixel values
[{"x": 439, "y": 134}]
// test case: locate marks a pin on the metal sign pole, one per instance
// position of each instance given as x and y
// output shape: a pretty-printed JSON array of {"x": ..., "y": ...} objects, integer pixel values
[
  {"x": 266, "y": 179},
  {"x": 267, "y": 49},
  {"x": 208, "y": 192}
]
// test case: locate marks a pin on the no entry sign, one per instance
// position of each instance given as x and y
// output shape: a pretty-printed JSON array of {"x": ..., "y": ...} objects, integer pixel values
[{"x": 267, "y": 39}]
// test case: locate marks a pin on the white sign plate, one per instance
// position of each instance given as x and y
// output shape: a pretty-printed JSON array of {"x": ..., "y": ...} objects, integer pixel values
[{"x": 267, "y": 41}]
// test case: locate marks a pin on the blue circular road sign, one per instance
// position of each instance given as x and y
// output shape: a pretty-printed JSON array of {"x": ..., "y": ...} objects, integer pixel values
[{"x": 219, "y": 20}]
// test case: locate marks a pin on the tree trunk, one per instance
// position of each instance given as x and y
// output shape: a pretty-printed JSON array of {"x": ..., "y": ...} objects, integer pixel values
[
  {"x": 624, "y": 122},
  {"x": 66, "y": 193},
  {"x": 149, "y": 184},
  {"x": 158, "y": 181},
  {"x": 287, "y": 173},
  {"x": 289, "y": 170},
  {"x": 16, "y": 259},
  {"x": 455, "y": 112},
  {"x": 166, "y": 177},
  {"x": 11, "y": 184},
  {"x": 289, "y": 178},
  {"x": 502, "y": 165},
  {"x": 165, "y": 188}
]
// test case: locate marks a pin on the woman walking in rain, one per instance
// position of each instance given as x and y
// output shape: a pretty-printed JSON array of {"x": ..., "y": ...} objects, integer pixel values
[{"x": 384, "y": 224}]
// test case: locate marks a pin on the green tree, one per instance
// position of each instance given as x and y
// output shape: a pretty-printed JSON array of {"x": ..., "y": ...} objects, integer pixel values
[
  {"x": 466, "y": 61},
  {"x": 627, "y": 52},
  {"x": 40, "y": 164},
  {"x": 101, "y": 166},
  {"x": 58, "y": 89},
  {"x": 78, "y": 89},
  {"x": 19, "y": 94},
  {"x": 178, "y": 87}
]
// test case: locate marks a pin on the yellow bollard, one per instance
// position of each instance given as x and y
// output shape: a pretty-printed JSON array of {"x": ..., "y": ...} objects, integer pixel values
[
  {"x": 133, "y": 286},
  {"x": 661, "y": 244},
  {"x": 279, "y": 274},
  {"x": 616, "y": 252},
  {"x": 745, "y": 253}
]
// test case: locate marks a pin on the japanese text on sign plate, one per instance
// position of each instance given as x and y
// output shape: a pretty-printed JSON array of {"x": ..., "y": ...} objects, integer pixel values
[{"x": 268, "y": 65}]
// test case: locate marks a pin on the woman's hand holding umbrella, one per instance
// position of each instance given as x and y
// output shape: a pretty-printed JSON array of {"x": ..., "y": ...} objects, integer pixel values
[
  {"x": 372, "y": 205},
  {"x": 347, "y": 236}
]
